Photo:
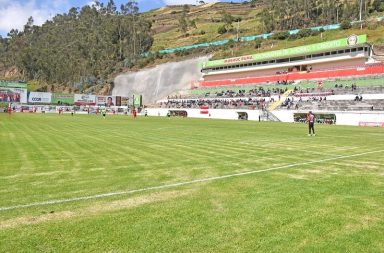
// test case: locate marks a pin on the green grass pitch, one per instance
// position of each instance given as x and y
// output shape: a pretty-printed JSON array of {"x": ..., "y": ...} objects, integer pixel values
[{"x": 88, "y": 184}]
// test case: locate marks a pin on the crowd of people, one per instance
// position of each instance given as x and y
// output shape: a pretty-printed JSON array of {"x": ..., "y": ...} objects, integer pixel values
[
  {"x": 256, "y": 92},
  {"x": 250, "y": 103}
]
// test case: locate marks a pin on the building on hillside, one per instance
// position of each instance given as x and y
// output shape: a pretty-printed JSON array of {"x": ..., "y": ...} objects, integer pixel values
[{"x": 337, "y": 58}]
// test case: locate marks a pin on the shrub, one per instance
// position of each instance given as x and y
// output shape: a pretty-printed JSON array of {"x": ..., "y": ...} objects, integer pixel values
[
  {"x": 292, "y": 37},
  {"x": 222, "y": 29},
  {"x": 304, "y": 33},
  {"x": 237, "y": 19},
  {"x": 345, "y": 25},
  {"x": 281, "y": 35},
  {"x": 258, "y": 43},
  {"x": 315, "y": 32}
]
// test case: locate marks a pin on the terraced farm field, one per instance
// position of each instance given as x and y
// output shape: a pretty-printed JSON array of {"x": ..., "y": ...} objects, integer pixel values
[{"x": 88, "y": 184}]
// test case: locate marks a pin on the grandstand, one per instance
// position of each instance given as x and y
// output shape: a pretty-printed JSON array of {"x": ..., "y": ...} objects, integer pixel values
[
  {"x": 333, "y": 59},
  {"x": 339, "y": 77}
]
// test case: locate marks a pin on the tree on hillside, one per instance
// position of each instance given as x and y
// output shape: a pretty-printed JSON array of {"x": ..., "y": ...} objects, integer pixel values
[
  {"x": 294, "y": 14},
  {"x": 183, "y": 23},
  {"x": 186, "y": 8},
  {"x": 83, "y": 44},
  {"x": 192, "y": 23},
  {"x": 227, "y": 19},
  {"x": 111, "y": 7}
]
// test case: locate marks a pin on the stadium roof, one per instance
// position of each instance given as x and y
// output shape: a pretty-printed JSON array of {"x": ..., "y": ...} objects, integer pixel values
[{"x": 351, "y": 41}]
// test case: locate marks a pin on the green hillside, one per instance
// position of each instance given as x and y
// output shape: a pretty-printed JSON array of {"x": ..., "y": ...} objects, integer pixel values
[{"x": 84, "y": 49}]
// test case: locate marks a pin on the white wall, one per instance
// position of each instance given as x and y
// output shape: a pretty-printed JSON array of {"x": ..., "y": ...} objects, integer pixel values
[
  {"x": 231, "y": 114},
  {"x": 342, "y": 118},
  {"x": 353, "y": 118},
  {"x": 349, "y": 97}
]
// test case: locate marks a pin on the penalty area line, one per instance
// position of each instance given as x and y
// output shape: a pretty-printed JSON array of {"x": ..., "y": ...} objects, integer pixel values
[{"x": 159, "y": 187}]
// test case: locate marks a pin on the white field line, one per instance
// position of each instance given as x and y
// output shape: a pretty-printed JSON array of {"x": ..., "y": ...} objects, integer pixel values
[{"x": 159, "y": 187}]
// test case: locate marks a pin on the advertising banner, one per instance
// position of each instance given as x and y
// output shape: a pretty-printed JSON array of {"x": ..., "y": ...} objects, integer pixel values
[
  {"x": 118, "y": 101},
  {"x": 62, "y": 99},
  {"x": 137, "y": 101},
  {"x": 204, "y": 109},
  {"x": 106, "y": 101},
  {"x": 81, "y": 99},
  {"x": 124, "y": 101},
  {"x": 40, "y": 97},
  {"x": 101, "y": 100},
  {"x": 13, "y": 84},
  {"x": 13, "y": 95},
  {"x": 371, "y": 124}
]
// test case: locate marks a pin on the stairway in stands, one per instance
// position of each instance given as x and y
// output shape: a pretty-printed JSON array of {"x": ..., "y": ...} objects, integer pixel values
[
  {"x": 268, "y": 116},
  {"x": 276, "y": 104}
]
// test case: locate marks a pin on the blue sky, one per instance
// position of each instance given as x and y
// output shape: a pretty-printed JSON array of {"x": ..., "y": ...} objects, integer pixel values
[{"x": 15, "y": 13}]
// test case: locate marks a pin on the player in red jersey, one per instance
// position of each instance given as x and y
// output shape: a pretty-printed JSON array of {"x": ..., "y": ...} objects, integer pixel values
[{"x": 9, "y": 110}]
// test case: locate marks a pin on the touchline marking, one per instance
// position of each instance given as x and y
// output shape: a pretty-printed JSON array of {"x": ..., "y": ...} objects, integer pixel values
[{"x": 105, "y": 195}]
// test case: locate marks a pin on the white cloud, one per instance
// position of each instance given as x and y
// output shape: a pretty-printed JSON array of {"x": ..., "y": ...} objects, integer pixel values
[
  {"x": 14, "y": 14},
  {"x": 91, "y": 3},
  {"x": 179, "y": 2}
]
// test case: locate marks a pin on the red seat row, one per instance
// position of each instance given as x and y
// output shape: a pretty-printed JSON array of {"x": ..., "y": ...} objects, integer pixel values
[{"x": 293, "y": 76}]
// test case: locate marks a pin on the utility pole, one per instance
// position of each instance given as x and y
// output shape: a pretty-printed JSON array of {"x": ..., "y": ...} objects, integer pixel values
[{"x": 361, "y": 10}]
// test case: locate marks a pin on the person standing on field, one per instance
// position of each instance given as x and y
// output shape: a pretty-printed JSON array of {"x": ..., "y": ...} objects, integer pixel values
[
  {"x": 9, "y": 110},
  {"x": 311, "y": 123},
  {"x": 104, "y": 112}
]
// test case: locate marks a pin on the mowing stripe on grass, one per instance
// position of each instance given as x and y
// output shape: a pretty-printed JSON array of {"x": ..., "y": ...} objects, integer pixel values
[{"x": 159, "y": 187}]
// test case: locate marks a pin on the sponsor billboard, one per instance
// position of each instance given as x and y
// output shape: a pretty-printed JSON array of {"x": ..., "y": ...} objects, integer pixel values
[
  {"x": 137, "y": 101},
  {"x": 204, "y": 109},
  {"x": 81, "y": 99},
  {"x": 66, "y": 99},
  {"x": 124, "y": 101},
  {"x": 118, "y": 101},
  {"x": 101, "y": 100},
  {"x": 352, "y": 40},
  {"x": 13, "y": 95},
  {"x": 371, "y": 124},
  {"x": 106, "y": 100},
  {"x": 39, "y": 97},
  {"x": 13, "y": 84}
]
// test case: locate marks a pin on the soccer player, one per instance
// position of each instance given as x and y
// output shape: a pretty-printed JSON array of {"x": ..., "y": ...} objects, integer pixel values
[
  {"x": 311, "y": 122},
  {"x": 9, "y": 110},
  {"x": 104, "y": 112}
]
